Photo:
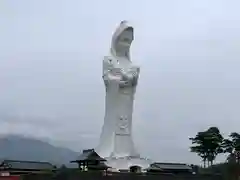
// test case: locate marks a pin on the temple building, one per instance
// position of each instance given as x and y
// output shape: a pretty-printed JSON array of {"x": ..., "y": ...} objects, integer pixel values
[{"x": 90, "y": 160}]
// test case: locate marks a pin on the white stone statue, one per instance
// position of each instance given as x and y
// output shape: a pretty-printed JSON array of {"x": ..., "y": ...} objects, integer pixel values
[{"x": 120, "y": 78}]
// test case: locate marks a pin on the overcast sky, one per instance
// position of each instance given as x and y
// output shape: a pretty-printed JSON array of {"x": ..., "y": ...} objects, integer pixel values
[{"x": 50, "y": 70}]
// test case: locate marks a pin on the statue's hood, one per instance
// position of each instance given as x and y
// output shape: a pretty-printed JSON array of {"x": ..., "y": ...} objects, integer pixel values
[{"x": 122, "y": 40}]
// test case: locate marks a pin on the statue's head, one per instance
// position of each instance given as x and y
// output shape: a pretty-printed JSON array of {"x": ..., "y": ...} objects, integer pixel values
[{"x": 122, "y": 40}]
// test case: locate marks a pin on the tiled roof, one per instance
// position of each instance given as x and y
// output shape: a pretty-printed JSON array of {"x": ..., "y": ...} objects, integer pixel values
[
  {"x": 31, "y": 165},
  {"x": 173, "y": 166},
  {"x": 89, "y": 155}
]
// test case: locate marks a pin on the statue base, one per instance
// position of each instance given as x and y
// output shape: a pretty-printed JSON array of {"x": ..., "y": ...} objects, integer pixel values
[{"x": 118, "y": 164}]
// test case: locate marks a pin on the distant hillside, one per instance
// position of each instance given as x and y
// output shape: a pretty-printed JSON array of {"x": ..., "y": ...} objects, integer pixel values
[{"x": 21, "y": 148}]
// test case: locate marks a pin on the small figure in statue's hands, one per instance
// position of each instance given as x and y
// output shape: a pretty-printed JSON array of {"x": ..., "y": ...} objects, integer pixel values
[{"x": 130, "y": 75}]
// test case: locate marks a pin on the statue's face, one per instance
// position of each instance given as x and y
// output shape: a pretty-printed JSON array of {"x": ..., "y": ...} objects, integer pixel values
[
  {"x": 123, "y": 42},
  {"x": 126, "y": 37}
]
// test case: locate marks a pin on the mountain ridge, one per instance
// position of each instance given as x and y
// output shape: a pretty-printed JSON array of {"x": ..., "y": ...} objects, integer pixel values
[{"x": 17, "y": 147}]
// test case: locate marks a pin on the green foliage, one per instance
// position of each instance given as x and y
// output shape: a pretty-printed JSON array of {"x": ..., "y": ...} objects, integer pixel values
[
  {"x": 207, "y": 144},
  {"x": 232, "y": 147}
]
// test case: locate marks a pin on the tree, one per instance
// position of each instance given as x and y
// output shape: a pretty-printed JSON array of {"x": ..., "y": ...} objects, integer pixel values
[
  {"x": 200, "y": 147},
  {"x": 207, "y": 144},
  {"x": 214, "y": 142},
  {"x": 232, "y": 146}
]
